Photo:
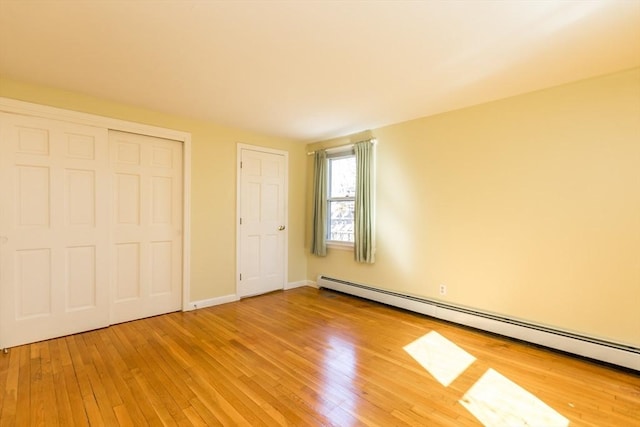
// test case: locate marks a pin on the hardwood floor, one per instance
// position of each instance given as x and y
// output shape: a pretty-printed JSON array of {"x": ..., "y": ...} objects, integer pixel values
[{"x": 301, "y": 357}]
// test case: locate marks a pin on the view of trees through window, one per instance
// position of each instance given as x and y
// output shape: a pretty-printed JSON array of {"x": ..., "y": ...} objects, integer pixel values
[{"x": 341, "y": 200}]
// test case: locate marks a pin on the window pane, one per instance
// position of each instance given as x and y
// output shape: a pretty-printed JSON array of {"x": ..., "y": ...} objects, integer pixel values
[
  {"x": 343, "y": 177},
  {"x": 341, "y": 221}
]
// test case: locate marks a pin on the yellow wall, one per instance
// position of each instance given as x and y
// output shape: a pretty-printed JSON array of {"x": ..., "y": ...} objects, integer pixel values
[
  {"x": 213, "y": 194},
  {"x": 527, "y": 207}
]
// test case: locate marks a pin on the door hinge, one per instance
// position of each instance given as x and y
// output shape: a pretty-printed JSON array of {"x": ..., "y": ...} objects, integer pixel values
[
  {"x": 240, "y": 221},
  {"x": 240, "y": 165},
  {"x": 240, "y": 276}
]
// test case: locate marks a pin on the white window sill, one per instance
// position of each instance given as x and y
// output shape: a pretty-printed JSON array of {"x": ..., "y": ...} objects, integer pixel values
[{"x": 343, "y": 246}]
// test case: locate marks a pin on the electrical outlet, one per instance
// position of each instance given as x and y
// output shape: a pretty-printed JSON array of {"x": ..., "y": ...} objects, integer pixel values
[{"x": 443, "y": 289}]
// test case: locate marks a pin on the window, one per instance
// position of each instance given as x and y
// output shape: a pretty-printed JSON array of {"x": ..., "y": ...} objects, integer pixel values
[
  {"x": 344, "y": 200},
  {"x": 341, "y": 197}
]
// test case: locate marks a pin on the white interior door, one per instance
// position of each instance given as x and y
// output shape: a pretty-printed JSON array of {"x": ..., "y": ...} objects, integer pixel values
[
  {"x": 54, "y": 222},
  {"x": 262, "y": 206},
  {"x": 146, "y": 227}
]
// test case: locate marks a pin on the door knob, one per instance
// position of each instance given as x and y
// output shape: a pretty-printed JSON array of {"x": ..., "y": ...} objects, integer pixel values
[{"x": 282, "y": 227}]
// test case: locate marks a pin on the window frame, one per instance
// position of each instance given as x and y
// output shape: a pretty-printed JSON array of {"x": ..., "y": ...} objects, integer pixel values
[{"x": 342, "y": 154}]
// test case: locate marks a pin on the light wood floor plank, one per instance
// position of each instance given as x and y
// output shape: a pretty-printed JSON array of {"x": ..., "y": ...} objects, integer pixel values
[
  {"x": 23, "y": 405},
  {"x": 300, "y": 357},
  {"x": 59, "y": 380},
  {"x": 9, "y": 381}
]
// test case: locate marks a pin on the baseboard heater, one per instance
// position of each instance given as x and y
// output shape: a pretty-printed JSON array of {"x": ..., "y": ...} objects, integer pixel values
[{"x": 593, "y": 348}]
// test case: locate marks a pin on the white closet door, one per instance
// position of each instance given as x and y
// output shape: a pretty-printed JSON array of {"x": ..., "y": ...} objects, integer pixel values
[
  {"x": 54, "y": 222},
  {"x": 263, "y": 203},
  {"x": 146, "y": 226}
]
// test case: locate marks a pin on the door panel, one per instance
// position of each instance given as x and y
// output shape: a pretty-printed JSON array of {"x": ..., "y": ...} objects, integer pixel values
[
  {"x": 81, "y": 277},
  {"x": 127, "y": 270},
  {"x": 80, "y": 198},
  {"x": 127, "y": 196},
  {"x": 33, "y": 280},
  {"x": 54, "y": 276},
  {"x": 263, "y": 231},
  {"x": 33, "y": 196},
  {"x": 147, "y": 226}
]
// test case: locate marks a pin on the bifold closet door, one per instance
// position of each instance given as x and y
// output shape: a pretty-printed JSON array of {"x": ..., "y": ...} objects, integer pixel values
[
  {"x": 90, "y": 228},
  {"x": 54, "y": 229},
  {"x": 146, "y": 255}
]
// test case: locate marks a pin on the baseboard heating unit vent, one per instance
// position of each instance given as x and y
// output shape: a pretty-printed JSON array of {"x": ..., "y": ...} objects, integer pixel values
[{"x": 605, "y": 351}]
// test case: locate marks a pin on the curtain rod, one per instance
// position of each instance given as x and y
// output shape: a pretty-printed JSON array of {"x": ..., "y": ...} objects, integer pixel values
[{"x": 372, "y": 140}]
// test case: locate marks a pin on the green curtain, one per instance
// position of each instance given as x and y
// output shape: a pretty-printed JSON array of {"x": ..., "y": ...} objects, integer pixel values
[
  {"x": 365, "y": 242},
  {"x": 319, "y": 238}
]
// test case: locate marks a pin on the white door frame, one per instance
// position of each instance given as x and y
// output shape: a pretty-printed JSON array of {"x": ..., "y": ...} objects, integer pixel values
[
  {"x": 242, "y": 146},
  {"x": 13, "y": 106}
]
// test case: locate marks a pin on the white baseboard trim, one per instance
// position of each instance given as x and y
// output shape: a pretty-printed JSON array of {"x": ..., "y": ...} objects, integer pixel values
[
  {"x": 300, "y": 284},
  {"x": 194, "y": 305}
]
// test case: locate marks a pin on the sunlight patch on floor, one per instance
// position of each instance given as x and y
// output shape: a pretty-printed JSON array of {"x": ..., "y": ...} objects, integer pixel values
[
  {"x": 440, "y": 357},
  {"x": 497, "y": 401}
]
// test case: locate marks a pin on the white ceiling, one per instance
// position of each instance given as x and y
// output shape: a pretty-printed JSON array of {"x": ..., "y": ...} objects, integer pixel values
[{"x": 312, "y": 70}]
